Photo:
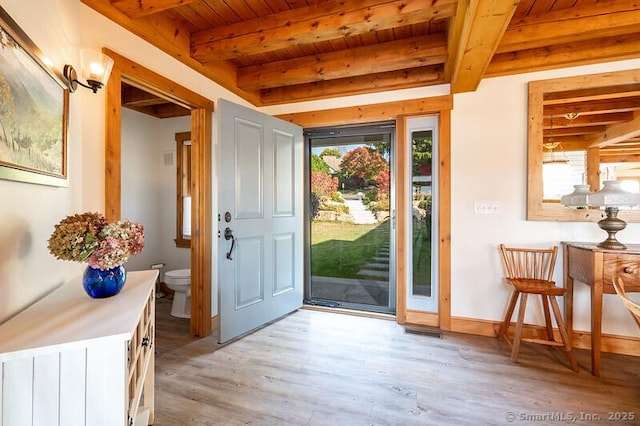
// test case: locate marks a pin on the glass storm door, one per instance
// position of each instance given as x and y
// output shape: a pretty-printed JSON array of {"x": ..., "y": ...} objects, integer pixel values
[{"x": 351, "y": 245}]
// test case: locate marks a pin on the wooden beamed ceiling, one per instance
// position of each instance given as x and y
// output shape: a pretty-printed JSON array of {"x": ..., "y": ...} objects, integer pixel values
[{"x": 280, "y": 51}]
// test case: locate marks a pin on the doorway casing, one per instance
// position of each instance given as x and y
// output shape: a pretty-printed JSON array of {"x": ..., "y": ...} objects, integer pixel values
[{"x": 201, "y": 197}]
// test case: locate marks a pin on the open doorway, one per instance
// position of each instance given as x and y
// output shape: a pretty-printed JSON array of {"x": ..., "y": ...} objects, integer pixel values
[
  {"x": 201, "y": 322},
  {"x": 351, "y": 232}
]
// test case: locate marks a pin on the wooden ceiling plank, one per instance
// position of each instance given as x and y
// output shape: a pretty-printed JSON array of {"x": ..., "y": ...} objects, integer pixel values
[
  {"x": 617, "y": 133},
  {"x": 313, "y": 24},
  {"x": 567, "y": 54},
  {"x": 395, "y": 80},
  {"x": 392, "y": 56},
  {"x": 138, "y": 8},
  {"x": 484, "y": 25},
  {"x": 601, "y": 19},
  {"x": 173, "y": 40}
]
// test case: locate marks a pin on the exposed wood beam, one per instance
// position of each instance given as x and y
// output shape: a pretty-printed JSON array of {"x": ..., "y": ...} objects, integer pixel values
[
  {"x": 484, "y": 25},
  {"x": 595, "y": 20},
  {"x": 134, "y": 97},
  {"x": 391, "y": 56},
  {"x": 617, "y": 133},
  {"x": 173, "y": 39},
  {"x": 563, "y": 55},
  {"x": 605, "y": 113},
  {"x": 455, "y": 30},
  {"x": 137, "y": 8},
  {"x": 620, "y": 158},
  {"x": 594, "y": 120},
  {"x": 395, "y": 80},
  {"x": 322, "y": 22},
  {"x": 369, "y": 113},
  {"x": 593, "y": 94}
]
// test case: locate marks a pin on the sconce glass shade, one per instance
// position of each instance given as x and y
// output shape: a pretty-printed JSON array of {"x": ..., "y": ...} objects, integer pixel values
[
  {"x": 579, "y": 198},
  {"x": 95, "y": 68}
]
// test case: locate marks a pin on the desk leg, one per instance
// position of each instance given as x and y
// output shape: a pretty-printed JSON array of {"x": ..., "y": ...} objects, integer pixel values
[
  {"x": 568, "y": 307},
  {"x": 596, "y": 325}
]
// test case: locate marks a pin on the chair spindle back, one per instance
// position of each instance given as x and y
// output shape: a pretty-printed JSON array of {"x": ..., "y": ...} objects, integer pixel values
[{"x": 535, "y": 264}]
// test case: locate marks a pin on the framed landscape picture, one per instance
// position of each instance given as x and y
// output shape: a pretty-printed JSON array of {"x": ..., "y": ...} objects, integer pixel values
[{"x": 33, "y": 111}]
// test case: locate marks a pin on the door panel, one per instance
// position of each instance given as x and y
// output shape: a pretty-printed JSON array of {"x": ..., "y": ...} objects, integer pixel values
[
  {"x": 283, "y": 194},
  {"x": 249, "y": 142},
  {"x": 260, "y": 185}
]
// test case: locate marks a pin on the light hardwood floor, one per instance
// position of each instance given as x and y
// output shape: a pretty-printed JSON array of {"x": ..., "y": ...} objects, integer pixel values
[{"x": 319, "y": 368}]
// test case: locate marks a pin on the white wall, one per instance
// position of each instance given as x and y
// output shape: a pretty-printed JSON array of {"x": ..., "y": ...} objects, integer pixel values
[
  {"x": 29, "y": 212},
  {"x": 149, "y": 187}
]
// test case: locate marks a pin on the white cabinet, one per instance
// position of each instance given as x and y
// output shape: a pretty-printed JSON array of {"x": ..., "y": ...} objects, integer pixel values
[{"x": 71, "y": 360}]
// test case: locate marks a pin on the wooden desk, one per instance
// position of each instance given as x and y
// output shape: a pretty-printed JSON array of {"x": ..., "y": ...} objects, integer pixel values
[{"x": 596, "y": 267}]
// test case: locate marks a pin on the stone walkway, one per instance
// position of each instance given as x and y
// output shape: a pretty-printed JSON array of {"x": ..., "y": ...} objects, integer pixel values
[{"x": 361, "y": 215}]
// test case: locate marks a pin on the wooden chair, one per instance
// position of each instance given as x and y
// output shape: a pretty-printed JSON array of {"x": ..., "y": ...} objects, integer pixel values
[
  {"x": 530, "y": 271},
  {"x": 633, "y": 307}
]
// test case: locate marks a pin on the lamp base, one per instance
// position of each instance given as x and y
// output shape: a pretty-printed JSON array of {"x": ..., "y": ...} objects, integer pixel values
[{"x": 611, "y": 225}]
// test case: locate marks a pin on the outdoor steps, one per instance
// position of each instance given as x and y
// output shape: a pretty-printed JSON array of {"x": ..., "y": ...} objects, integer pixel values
[
  {"x": 378, "y": 265},
  {"x": 361, "y": 215}
]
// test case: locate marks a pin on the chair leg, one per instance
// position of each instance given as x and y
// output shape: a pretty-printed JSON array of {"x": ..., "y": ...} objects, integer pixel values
[
  {"x": 563, "y": 334},
  {"x": 518, "y": 337},
  {"x": 547, "y": 317},
  {"x": 507, "y": 317}
]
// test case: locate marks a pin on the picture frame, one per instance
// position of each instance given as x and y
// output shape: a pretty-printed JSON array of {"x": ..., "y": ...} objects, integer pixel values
[{"x": 34, "y": 111}]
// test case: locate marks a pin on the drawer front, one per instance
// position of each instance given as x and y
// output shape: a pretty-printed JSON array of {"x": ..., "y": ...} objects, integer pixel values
[{"x": 626, "y": 266}]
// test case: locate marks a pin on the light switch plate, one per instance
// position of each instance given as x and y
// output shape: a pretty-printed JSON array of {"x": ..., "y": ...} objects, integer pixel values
[{"x": 487, "y": 207}]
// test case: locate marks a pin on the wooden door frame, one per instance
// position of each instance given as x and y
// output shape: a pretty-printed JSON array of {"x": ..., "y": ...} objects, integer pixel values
[
  {"x": 201, "y": 201},
  {"x": 400, "y": 110}
]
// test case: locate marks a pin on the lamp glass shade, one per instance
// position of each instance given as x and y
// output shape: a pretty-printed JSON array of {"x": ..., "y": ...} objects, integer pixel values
[
  {"x": 578, "y": 198},
  {"x": 613, "y": 195},
  {"x": 95, "y": 67}
]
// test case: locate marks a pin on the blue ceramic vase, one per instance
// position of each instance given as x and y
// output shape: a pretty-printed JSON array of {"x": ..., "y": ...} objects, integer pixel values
[{"x": 100, "y": 283}]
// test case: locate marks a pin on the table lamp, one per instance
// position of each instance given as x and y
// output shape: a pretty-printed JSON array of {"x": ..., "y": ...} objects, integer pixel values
[
  {"x": 578, "y": 198},
  {"x": 611, "y": 197}
]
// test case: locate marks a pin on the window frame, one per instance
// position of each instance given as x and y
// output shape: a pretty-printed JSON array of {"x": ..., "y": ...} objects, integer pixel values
[{"x": 183, "y": 172}]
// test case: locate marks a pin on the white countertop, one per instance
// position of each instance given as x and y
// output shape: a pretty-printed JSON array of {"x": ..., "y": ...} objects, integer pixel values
[{"x": 68, "y": 315}]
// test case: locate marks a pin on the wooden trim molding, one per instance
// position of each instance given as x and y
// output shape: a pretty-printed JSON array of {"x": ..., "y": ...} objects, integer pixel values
[
  {"x": 625, "y": 345},
  {"x": 399, "y": 111},
  {"x": 201, "y": 122}
]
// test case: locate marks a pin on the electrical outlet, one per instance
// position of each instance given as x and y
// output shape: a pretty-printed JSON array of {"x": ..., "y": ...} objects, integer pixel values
[{"x": 486, "y": 207}]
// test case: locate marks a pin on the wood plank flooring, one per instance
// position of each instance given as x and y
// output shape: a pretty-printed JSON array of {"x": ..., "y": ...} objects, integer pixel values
[{"x": 319, "y": 368}]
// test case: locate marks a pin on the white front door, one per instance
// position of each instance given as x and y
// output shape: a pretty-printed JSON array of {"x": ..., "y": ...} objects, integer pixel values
[{"x": 260, "y": 201}]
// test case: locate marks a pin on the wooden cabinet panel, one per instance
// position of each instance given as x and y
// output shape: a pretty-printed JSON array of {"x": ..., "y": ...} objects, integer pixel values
[{"x": 76, "y": 369}]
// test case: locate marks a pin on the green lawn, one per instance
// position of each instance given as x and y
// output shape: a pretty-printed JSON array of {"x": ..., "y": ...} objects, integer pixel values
[{"x": 340, "y": 249}]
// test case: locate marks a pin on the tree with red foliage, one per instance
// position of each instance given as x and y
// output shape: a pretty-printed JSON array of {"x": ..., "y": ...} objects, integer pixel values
[
  {"x": 322, "y": 184},
  {"x": 384, "y": 184},
  {"x": 364, "y": 162}
]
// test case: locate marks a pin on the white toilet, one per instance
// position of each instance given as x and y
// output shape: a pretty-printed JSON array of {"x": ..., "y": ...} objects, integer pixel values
[{"x": 179, "y": 280}]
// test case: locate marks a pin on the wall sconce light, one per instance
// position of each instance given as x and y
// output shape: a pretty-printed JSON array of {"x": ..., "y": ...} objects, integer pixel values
[{"x": 95, "y": 68}]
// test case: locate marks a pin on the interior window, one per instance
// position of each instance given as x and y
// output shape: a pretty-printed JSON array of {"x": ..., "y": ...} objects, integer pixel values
[{"x": 183, "y": 197}]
